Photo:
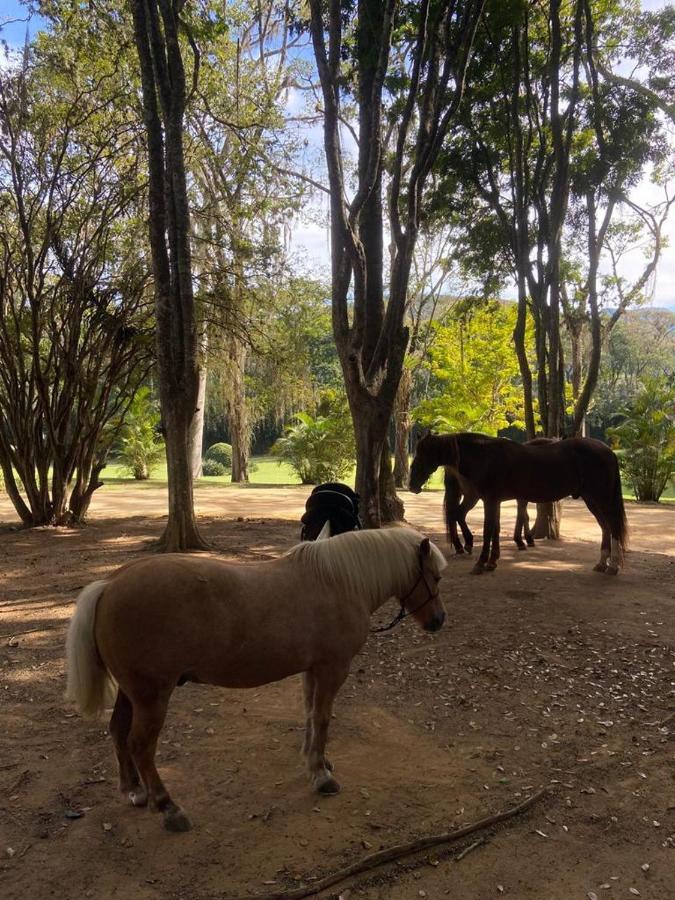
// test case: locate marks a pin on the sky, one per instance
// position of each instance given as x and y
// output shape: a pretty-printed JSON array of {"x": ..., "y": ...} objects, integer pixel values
[{"x": 309, "y": 234}]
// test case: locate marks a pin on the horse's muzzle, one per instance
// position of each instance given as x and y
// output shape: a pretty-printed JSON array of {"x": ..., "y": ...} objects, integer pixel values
[{"x": 435, "y": 623}]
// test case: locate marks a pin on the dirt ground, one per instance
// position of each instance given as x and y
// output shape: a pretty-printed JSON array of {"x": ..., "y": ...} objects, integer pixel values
[{"x": 546, "y": 675}]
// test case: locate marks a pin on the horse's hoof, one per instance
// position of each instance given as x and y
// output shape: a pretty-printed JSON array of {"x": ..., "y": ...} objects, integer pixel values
[
  {"x": 522, "y": 546},
  {"x": 490, "y": 566},
  {"x": 478, "y": 569},
  {"x": 468, "y": 548},
  {"x": 138, "y": 797},
  {"x": 326, "y": 784},
  {"x": 600, "y": 567},
  {"x": 612, "y": 570},
  {"x": 459, "y": 551},
  {"x": 177, "y": 821},
  {"x": 530, "y": 542}
]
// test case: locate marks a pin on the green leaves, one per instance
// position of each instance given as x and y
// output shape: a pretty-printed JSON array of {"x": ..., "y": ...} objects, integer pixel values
[
  {"x": 320, "y": 445},
  {"x": 474, "y": 372},
  {"x": 141, "y": 448},
  {"x": 646, "y": 439}
]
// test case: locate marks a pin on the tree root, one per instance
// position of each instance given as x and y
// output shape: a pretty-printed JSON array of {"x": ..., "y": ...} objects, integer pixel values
[{"x": 400, "y": 850}]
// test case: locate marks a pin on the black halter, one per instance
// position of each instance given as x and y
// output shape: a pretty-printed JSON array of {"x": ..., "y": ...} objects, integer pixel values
[{"x": 403, "y": 613}]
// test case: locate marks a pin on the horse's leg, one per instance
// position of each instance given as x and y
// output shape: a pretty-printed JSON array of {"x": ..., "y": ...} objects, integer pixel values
[
  {"x": 491, "y": 564},
  {"x": 120, "y": 725},
  {"x": 614, "y": 556},
  {"x": 490, "y": 509},
  {"x": 522, "y": 524},
  {"x": 148, "y": 718},
  {"x": 605, "y": 549},
  {"x": 309, "y": 688},
  {"x": 451, "y": 506},
  {"x": 529, "y": 534},
  {"x": 470, "y": 500},
  {"x": 329, "y": 680},
  {"x": 606, "y": 542},
  {"x": 453, "y": 536},
  {"x": 518, "y": 530}
]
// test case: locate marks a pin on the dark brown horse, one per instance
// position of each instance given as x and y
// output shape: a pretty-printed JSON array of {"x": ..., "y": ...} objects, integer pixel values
[
  {"x": 500, "y": 469},
  {"x": 460, "y": 498}
]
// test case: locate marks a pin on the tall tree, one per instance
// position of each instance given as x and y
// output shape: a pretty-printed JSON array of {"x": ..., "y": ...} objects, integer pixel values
[
  {"x": 156, "y": 30},
  {"x": 404, "y": 64},
  {"x": 73, "y": 319},
  {"x": 430, "y": 276},
  {"x": 547, "y": 157},
  {"x": 650, "y": 46},
  {"x": 243, "y": 144}
]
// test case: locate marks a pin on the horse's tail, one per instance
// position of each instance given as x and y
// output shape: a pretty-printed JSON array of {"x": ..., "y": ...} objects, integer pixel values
[
  {"x": 89, "y": 683},
  {"x": 618, "y": 520}
]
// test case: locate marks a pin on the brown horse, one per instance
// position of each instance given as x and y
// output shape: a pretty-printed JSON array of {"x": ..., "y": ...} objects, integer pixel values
[
  {"x": 500, "y": 469},
  {"x": 460, "y": 498},
  {"x": 166, "y": 620}
]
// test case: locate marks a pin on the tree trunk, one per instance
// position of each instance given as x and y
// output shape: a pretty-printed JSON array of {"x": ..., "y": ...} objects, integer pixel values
[
  {"x": 14, "y": 494},
  {"x": 402, "y": 428},
  {"x": 181, "y": 528},
  {"x": 196, "y": 436},
  {"x": 238, "y": 420},
  {"x": 370, "y": 432},
  {"x": 547, "y": 523},
  {"x": 391, "y": 505},
  {"x": 80, "y": 498},
  {"x": 163, "y": 91}
]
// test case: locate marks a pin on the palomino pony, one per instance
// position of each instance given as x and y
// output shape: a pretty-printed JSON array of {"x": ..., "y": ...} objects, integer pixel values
[
  {"x": 460, "y": 498},
  {"x": 166, "y": 620},
  {"x": 500, "y": 469}
]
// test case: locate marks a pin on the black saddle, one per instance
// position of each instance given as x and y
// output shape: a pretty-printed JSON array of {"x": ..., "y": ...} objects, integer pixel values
[{"x": 333, "y": 502}]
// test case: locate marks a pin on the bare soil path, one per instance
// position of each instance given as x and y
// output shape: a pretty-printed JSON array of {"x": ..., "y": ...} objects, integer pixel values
[{"x": 546, "y": 674}]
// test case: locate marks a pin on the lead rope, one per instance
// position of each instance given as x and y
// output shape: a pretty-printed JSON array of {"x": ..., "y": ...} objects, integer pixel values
[{"x": 402, "y": 614}]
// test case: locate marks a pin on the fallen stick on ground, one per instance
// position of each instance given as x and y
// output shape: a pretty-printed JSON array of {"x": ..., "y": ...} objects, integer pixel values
[
  {"x": 467, "y": 850},
  {"x": 398, "y": 851},
  {"x": 11, "y": 634}
]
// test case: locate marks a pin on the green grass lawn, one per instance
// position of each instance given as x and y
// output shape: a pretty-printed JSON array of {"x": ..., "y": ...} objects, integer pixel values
[
  {"x": 268, "y": 472},
  {"x": 265, "y": 471}
]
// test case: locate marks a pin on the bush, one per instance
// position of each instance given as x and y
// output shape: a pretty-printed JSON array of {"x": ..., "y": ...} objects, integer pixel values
[
  {"x": 221, "y": 453},
  {"x": 213, "y": 467},
  {"x": 645, "y": 440},
  {"x": 141, "y": 448},
  {"x": 319, "y": 446}
]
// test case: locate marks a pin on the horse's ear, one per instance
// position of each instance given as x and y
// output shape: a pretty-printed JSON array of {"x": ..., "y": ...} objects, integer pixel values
[{"x": 425, "y": 547}]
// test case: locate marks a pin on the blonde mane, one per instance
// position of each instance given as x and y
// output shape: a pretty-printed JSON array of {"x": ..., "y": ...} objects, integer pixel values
[{"x": 375, "y": 563}]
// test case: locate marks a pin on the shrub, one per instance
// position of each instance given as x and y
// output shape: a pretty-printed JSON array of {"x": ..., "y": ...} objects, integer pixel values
[
  {"x": 221, "y": 453},
  {"x": 213, "y": 467},
  {"x": 141, "y": 447},
  {"x": 319, "y": 446},
  {"x": 645, "y": 439}
]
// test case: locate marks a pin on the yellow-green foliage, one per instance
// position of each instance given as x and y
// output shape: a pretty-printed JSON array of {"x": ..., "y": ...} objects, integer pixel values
[{"x": 474, "y": 380}]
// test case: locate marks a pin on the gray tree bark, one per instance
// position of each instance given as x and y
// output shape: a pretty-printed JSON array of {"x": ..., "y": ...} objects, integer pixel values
[{"x": 163, "y": 90}]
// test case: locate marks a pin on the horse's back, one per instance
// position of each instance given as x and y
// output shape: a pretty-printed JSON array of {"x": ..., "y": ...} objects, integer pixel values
[{"x": 237, "y": 625}]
